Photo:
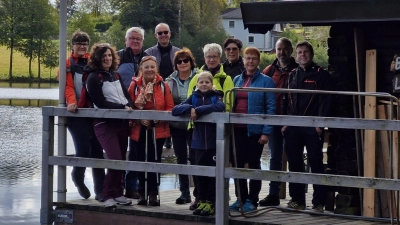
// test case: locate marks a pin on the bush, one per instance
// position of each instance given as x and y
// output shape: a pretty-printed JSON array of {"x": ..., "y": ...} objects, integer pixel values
[{"x": 266, "y": 59}]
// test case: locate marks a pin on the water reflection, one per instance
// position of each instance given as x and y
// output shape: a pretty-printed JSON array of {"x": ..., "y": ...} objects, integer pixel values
[{"x": 20, "y": 156}]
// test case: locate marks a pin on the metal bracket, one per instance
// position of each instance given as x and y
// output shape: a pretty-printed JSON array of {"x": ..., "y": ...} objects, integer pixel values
[{"x": 64, "y": 216}]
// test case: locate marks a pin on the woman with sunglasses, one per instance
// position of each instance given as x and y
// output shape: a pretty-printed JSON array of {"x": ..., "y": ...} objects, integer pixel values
[
  {"x": 178, "y": 81},
  {"x": 149, "y": 92},
  {"x": 107, "y": 91}
]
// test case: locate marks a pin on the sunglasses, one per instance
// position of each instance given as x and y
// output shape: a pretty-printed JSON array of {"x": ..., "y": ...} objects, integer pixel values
[
  {"x": 149, "y": 57},
  {"x": 79, "y": 44},
  {"x": 229, "y": 49},
  {"x": 180, "y": 61},
  {"x": 163, "y": 32}
]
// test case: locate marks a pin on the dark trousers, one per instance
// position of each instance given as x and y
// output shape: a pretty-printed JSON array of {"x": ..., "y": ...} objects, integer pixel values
[
  {"x": 180, "y": 141},
  {"x": 113, "y": 137},
  {"x": 295, "y": 140},
  {"x": 275, "y": 144},
  {"x": 205, "y": 185},
  {"x": 86, "y": 146},
  {"x": 131, "y": 177},
  {"x": 140, "y": 145},
  {"x": 248, "y": 150}
]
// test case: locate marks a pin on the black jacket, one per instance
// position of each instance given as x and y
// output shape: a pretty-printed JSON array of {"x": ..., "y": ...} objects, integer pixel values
[
  {"x": 234, "y": 69},
  {"x": 313, "y": 77}
]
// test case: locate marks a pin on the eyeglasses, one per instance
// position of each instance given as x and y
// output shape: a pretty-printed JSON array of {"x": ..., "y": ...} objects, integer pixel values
[
  {"x": 135, "y": 39},
  {"x": 214, "y": 57},
  {"x": 163, "y": 32},
  {"x": 81, "y": 44},
  {"x": 180, "y": 61},
  {"x": 149, "y": 57},
  {"x": 251, "y": 58},
  {"x": 231, "y": 49}
]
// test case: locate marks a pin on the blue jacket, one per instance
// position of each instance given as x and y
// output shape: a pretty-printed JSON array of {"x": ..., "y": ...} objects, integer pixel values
[
  {"x": 259, "y": 102},
  {"x": 204, "y": 134}
]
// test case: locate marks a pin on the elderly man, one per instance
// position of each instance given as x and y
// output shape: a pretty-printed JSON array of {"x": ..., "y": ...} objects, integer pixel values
[
  {"x": 164, "y": 52},
  {"x": 130, "y": 56},
  {"x": 279, "y": 71}
]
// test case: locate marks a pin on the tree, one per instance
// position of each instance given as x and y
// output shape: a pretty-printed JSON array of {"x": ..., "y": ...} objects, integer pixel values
[
  {"x": 11, "y": 17},
  {"x": 39, "y": 24},
  {"x": 72, "y": 7},
  {"x": 115, "y": 35},
  {"x": 95, "y": 7},
  {"x": 50, "y": 51},
  {"x": 84, "y": 22}
]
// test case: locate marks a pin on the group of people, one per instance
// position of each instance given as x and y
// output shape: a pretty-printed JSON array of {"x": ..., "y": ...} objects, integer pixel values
[{"x": 166, "y": 78}]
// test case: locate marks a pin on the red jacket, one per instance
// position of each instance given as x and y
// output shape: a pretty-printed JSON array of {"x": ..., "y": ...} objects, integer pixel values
[
  {"x": 70, "y": 96},
  {"x": 162, "y": 101}
]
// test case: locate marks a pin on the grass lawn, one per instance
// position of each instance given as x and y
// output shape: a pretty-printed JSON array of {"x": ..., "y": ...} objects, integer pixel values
[{"x": 21, "y": 66}]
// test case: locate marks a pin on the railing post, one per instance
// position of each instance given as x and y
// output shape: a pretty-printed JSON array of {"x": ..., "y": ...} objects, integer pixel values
[
  {"x": 46, "y": 210},
  {"x": 222, "y": 187}
]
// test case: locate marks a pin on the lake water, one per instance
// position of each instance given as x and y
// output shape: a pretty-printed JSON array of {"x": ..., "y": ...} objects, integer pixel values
[{"x": 20, "y": 154}]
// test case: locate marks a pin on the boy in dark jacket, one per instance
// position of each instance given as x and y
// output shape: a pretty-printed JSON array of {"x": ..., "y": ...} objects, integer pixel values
[{"x": 203, "y": 101}]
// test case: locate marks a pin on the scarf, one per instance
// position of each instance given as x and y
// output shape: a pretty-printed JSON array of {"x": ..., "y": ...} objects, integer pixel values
[{"x": 145, "y": 93}]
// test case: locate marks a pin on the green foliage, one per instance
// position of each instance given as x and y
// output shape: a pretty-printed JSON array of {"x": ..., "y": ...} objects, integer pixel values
[
  {"x": 102, "y": 27},
  {"x": 50, "y": 52},
  {"x": 84, "y": 22},
  {"x": 266, "y": 59},
  {"x": 116, "y": 35}
]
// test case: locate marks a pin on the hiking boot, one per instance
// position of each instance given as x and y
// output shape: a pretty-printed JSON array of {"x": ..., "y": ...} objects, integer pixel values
[
  {"x": 270, "y": 200},
  {"x": 194, "y": 204},
  {"x": 132, "y": 194},
  {"x": 83, "y": 190},
  {"x": 153, "y": 201},
  {"x": 235, "y": 206},
  {"x": 208, "y": 209},
  {"x": 142, "y": 200},
  {"x": 99, "y": 197},
  {"x": 318, "y": 208},
  {"x": 200, "y": 207},
  {"x": 248, "y": 206},
  {"x": 122, "y": 200},
  {"x": 183, "y": 200},
  {"x": 110, "y": 203},
  {"x": 295, "y": 205}
]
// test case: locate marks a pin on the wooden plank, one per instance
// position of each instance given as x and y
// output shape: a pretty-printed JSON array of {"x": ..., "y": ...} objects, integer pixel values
[
  {"x": 370, "y": 138},
  {"x": 383, "y": 165}
]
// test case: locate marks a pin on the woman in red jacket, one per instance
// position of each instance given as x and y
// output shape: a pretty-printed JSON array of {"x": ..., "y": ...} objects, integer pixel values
[{"x": 149, "y": 92}]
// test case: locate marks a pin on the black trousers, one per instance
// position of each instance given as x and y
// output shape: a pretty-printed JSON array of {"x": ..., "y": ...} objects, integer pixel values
[
  {"x": 140, "y": 147},
  {"x": 295, "y": 140},
  {"x": 181, "y": 140},
  {"x": 205, "y": 185},
  {"x": 248, "y": 150}
]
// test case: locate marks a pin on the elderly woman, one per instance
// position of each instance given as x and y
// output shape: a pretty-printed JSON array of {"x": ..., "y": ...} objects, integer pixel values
[
  {"x": 233, "y": 64},
  {"x": 149, "y": 92},
  {"x": 107, "y": 91},
  {"x": 249, "y": 139},
  {"x": 178, "y": 81},
  {"x": 212, "y": 57}
]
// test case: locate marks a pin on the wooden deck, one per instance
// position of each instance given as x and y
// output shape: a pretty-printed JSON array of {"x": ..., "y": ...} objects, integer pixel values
[{"x": 171, "y": 213}]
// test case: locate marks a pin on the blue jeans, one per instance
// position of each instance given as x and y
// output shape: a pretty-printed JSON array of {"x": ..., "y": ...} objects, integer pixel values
[
  {"x": 131, "y": 177},
  {"x": 275, "y": 144},
  {"x": 86, "y": 146}
]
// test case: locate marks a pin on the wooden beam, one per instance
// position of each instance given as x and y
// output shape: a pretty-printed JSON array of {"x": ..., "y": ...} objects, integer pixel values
[{"x": 370, "y": 135}]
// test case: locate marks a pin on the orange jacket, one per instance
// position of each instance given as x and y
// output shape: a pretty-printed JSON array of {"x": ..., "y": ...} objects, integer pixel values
[
  {"x": 162, "y": 101},
  {"x": 70, "y": 97}
]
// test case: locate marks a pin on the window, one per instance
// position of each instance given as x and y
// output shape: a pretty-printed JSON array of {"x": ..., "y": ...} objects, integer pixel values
[
  {"x": 251, "y": 39},
  {"x": 231, "y": 24}
]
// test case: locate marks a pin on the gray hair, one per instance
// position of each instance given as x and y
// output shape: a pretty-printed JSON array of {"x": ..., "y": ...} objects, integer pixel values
[
  {"x": 138, "y": 30},
  {"x": 158, "y": 25},
  {"x": 213, "y": 47}
]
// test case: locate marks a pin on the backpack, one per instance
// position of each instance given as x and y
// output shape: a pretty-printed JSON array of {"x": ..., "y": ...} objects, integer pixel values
[{"x": 84, "y": 100}]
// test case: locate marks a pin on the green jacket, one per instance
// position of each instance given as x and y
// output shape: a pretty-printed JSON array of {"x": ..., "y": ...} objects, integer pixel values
[{"x": 227, "y": 85}]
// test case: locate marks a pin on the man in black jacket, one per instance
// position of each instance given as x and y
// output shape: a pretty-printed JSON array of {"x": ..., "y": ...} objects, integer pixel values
[{"x": 308, "y": 76}]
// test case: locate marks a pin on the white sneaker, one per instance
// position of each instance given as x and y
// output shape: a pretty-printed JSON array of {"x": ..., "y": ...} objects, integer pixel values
[
  {"x": 122, "y": 200},
  {"x": 110, "y": 203}
]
